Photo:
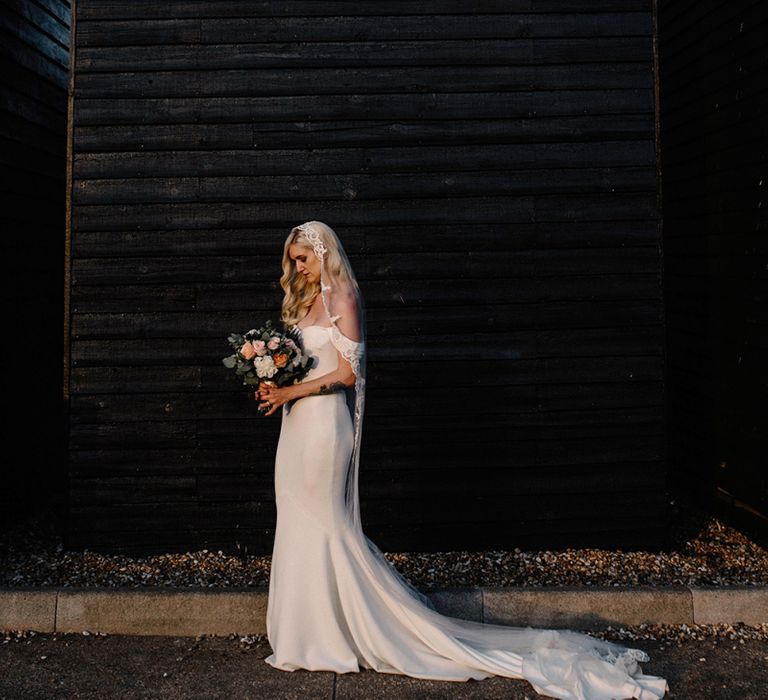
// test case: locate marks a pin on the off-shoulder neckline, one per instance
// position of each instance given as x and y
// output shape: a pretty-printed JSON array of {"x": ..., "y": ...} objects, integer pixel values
[{"x": 311, "y": 325}]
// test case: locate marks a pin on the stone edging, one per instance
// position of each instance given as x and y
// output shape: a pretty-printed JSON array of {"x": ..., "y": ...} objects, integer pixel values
[{"x": 192, "y": 611}]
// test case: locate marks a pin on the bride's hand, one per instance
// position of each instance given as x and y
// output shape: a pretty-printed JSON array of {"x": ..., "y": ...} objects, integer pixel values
[
  {"x": 257, "y": 394},
  {"x": 274, "y": 397}
]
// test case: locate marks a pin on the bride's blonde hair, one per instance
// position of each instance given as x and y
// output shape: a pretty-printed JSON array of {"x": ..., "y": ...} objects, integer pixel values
[{"x": 300, "y": 293}]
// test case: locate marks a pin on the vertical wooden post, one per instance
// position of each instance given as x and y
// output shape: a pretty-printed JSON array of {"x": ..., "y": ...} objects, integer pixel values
[{"x": 68, "y": 201}]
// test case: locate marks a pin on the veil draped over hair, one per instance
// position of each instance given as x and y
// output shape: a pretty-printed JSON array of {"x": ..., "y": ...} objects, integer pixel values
[
  {"x": 558, "y": 662},
  {"x": 343, "y": 302}
]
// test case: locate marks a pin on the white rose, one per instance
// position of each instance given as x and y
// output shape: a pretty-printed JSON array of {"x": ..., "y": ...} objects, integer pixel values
[{"x": 265, "y": 366}]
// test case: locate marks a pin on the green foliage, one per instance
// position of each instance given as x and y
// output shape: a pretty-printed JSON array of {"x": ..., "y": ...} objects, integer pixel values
[{"x": 296, "y": 367}]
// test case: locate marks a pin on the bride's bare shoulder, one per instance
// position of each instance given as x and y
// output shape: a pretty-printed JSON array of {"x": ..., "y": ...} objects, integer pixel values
[
  {"x": 347, "y": 300},
  {"x": 347, "y": 313},
  {"x": 343, "y": 297}
]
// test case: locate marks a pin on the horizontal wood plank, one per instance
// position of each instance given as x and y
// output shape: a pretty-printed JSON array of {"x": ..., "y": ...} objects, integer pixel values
[{"x": 493, "y": 174}]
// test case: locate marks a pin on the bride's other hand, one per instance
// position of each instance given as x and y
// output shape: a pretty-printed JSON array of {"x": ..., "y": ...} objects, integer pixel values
[
  {"x": 258, "y": 393},
  {"x": 274, "y": 397}
]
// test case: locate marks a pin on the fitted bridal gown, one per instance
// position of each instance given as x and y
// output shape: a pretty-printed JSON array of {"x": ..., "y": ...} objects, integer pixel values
[{"x": 334, "y": 606}]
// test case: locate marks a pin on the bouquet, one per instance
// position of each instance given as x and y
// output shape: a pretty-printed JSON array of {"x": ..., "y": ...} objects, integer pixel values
[{"x": 267, "y": 356}]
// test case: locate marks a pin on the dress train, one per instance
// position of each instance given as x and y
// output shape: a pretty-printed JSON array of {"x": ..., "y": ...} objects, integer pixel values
[{"x": 336, "y": 604}]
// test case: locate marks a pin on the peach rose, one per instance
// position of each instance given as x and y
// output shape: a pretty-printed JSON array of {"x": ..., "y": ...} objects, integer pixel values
[
  {"x": 281, "y": 359},
  {"x": 247, "y": 350}
]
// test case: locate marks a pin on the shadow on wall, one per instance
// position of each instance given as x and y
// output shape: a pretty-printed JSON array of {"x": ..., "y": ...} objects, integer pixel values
[{"x": 34, "y": 148}]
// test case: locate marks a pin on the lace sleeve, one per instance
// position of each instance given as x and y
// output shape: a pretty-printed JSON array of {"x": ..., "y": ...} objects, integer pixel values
[{"x": 351, "y": 350}]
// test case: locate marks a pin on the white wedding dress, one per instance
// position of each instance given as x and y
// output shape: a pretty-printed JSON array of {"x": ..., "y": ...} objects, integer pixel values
[{"x": 335, "y": 606}]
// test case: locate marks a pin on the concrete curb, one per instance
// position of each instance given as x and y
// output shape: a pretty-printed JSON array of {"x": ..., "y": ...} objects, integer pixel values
[{"x": 191, "y": 611}]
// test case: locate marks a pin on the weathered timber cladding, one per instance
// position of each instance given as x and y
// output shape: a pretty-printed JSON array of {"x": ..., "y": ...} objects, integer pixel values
[
  {"x": 492, "y": 170},
  {"x": 714, "y": 143}
]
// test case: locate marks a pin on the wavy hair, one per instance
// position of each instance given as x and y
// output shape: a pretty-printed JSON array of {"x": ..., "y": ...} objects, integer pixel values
[{"x": 300, "y": 294}]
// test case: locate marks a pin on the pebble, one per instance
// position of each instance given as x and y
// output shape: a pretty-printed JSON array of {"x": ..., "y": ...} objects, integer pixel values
[
  {"x": 669, "y": 635},
  {"x": 705, "y": 551}
]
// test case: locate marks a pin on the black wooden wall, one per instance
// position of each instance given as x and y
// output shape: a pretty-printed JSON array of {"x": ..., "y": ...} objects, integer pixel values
[
  {"x": 714, "y": 140},
  {"x": 492, "y": 170},
  {"x": 33, "y": 120}
]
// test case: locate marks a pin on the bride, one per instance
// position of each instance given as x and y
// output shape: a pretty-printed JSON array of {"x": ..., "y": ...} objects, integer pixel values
[{"x": 335, "y": 602}]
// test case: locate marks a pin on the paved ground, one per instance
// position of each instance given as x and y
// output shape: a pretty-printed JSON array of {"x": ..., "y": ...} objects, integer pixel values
[{"x": 115, "y": 666}]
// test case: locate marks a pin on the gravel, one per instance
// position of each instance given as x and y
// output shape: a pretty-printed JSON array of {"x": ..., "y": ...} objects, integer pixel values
[
  {"x": 677, "y": 635},
  {"x": 670, "y": 635},
  {"x": 705, "y": 551}
]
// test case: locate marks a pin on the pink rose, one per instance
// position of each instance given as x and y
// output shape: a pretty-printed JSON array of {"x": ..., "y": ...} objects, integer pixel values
[
  {"x": 247, "y": 350},
  {"x": 260, "y": 347},
  {"x": 274, "y": 343}
]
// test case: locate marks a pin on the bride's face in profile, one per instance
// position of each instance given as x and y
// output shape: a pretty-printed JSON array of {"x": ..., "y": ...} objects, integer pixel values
[{"x": 307, "y": 263}]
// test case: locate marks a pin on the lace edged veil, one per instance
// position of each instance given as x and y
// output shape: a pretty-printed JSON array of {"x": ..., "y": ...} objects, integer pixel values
[{"x": 344, "y": 306}]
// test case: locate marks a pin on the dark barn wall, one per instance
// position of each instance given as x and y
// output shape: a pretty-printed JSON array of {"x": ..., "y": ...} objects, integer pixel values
[
  {"x": 33, "y": 125},
  {"x": 492, "y": 174},
  {"x": 714, "y": 142}
]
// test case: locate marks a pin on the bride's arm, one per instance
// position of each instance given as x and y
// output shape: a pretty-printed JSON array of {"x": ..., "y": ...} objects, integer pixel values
[{"x": 338, "y": 380}]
